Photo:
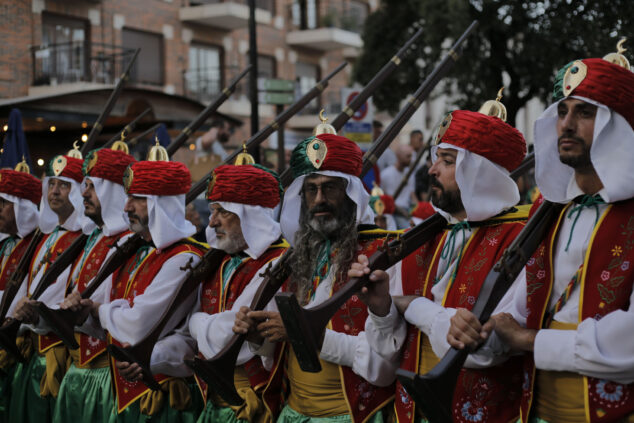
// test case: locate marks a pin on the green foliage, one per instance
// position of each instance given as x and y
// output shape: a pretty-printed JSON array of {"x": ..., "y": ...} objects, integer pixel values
[{"x": 527, "y": 41}]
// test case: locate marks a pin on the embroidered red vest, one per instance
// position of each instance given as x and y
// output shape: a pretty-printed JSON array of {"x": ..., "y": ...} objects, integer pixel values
[
  {"x": 606, "y": 286},
  {"x": 61, "y": 244},
  {"x": 128, "y": 392},
  {"x": 13, "y": 260},
  {"x": 491, "y": 394},
  {"x": 89, "y": 347},
  {"x": 363, "y": 398},
  {"x": 214, "y": 299}
]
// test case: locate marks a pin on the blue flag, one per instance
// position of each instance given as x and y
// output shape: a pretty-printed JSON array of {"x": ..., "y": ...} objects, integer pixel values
[
  {"x": 163, "y": 136},
  {"x": 15, "y": 147}
]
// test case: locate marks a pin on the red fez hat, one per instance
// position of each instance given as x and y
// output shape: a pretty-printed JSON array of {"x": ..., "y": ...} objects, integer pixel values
[
  {"x": 66, "y": 166},
  {"x": 21, "y": 185},
  {"x": 488, "y": 136},
  {"x": 244, "y": 184},
  {"x": 602, "y": 81},
  {"x": 326, "y": 152},
  {"x": 156, "y": 178},
  {"x": 423, "y": 210},
  {"x": 107, "y": 164}
]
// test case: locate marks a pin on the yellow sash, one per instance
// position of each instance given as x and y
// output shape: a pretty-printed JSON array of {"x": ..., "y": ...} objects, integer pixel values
[
  {"x": 253, "y": 409},
  {"x": 316, "y": 394},
  {"x": 427, "y": 357}
]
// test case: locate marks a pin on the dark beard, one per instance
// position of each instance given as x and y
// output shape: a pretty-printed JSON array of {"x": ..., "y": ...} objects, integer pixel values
[
  {"x": 576, "y": 162},
  {"x": 309, "y": 241},
  {"x": 447, "y": 201},
  {"x": 95, "y": 217}
]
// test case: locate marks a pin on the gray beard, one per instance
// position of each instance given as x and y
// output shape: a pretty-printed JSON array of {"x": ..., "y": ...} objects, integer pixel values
[
  {"x": 231, "y": 245},
  {"x": 310, "y": 239}
]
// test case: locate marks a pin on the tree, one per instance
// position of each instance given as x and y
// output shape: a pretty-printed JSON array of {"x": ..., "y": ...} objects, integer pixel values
[{"x": 519, "y": 43}]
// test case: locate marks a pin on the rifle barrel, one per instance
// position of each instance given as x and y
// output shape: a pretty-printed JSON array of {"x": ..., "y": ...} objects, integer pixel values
[
  {"x": 208, "y": 111},
  {"x": 265, "y": 132},
  {"x": 374, "y": 83},
  {"x": 98, "y": 126},
  {"x": 421, "y": 94}
]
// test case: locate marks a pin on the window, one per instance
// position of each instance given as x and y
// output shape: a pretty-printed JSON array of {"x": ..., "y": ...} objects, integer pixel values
[
  {"x": 203, "y": 78},
  {"x": 307, "y": 76},
  {"x": 65, "y": 50},
  {"x": 266, "y": 67},
  {"x": 148, "y": 68},
  {"x": 304, "y": 14}
]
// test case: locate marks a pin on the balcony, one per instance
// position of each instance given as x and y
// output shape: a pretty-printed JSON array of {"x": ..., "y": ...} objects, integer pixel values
[
  {"x": 338, "y": 29},
  {"x": 70, "y": 65},
  {"x": 226, "y": 15}
]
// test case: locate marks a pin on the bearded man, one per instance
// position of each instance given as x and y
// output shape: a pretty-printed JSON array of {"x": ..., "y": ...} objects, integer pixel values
[
  {"x": 242, "y": 200},
  {"x": 326, "y": 214},
  {"x": 473, "y": 155},
  {"x": 574, "y": 311}
]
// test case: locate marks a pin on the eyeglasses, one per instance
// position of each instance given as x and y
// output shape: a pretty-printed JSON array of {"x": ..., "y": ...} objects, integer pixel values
[{"x": 328, "y": 189}]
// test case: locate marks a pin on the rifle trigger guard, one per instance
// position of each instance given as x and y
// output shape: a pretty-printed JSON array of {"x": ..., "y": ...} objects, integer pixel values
[{"x": 267, "y": 271}]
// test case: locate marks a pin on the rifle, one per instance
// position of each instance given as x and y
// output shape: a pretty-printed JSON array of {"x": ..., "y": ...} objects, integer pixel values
[
  {"x": 141, "y": 353},
  {"x": 9, "y": 330},
  {"x": 305, "y": 327},
  {"x": 218, "y": 371},
  {"x": 433, "y": 392},
  {"x": 421, "y": 94},
  {"x": 62, "y": 322},
  {"x": 127, "y": 129},
  {"x": 98, "y": 126},
  {"x": 264, "y": 133}
]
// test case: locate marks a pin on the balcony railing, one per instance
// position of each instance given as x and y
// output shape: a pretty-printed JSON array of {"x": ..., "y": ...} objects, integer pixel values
[
  {"x": 74, "y": 62},
  {"x": 204, "y": 84},
  {"x": 259, "y": 4}
]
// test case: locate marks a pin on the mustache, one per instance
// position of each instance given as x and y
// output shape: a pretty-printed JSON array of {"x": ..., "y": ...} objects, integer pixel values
[
  {"x": 433, "y": 181},
  {"x": 220, "y": 231},
  {"x": 570, "y": 137},
  {"x": 322, "y": 208},
  {"x": 134, "y": 216}
]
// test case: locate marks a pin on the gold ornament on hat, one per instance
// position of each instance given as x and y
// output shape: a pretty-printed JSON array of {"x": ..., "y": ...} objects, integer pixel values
[
  {"x": 120, "y": 145},
  {"x": 442, "y": 128},
  {"x": 212, "y": 182},
  {"x": 22, "y": 166},
  {"x": 59, "y": 164},
  {"x": 244, "y": 158},
  {"x": 323, "y": 127},
  {"x": 378, "y": 206},
  {"x": 75, "y": 153},
  {"x": 158, "y": 153},
  {"x": 92, "y": 162},
  {"x": 575, "y": 74},
  {"x": 128, "y": 175},
  {"x": 618, "y": 58},
  {"x": 494, "y": 107}
]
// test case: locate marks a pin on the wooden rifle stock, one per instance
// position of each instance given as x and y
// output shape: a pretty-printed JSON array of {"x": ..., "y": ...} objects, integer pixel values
[
  {"x": 127, "y": 129},
  {"x": 421, "y": 94},
  {"x": 374, "y": 83},
  {"x": 433, "y": 391},
  {"x": 304, "y": 327},
  {"x": 141, "y": 353},
  {"x": 208, "y": 111},
  {"x": 62, "y": 322},
  {"x": 218, "y": 371},
  {"x": 98, "y": 125}
]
